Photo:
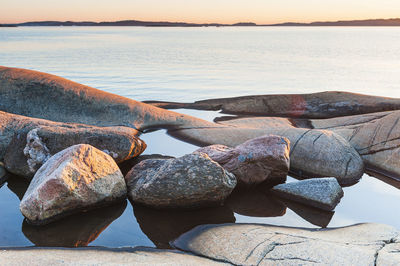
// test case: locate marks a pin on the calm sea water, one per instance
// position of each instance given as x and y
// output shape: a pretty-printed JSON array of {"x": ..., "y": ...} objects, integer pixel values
[{"x": 187, "y": 64}]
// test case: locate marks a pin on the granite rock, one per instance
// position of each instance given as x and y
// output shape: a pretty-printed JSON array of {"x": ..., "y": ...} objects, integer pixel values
[
  {"x": 78, "y": 178},
  {"x": 193, "y": 180},
  {"x": 257, "y": 160},
  {"x": 322, "y": 193}
]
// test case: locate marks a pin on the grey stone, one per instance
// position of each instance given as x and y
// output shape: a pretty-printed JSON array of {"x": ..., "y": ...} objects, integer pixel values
[
  {"x": 193, "y": 180},
  {"x": 322, "y": 193},
  {"x": 263, "y": 159},
  {"x": 99, "y": 256},
  {"x": 78, "y": 178},
  {"x": 26, "y": 143},
  {"x": 314, "y": 105},
  {"x": 389, "y": 255},
  {"x": 255, "y": 244}
]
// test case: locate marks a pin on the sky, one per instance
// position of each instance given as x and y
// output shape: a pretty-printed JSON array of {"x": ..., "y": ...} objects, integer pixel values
[{"x": 197, "y": 11}]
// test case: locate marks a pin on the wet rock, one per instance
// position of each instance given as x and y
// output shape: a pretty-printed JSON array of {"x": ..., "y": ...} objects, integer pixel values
[
  {"x": 26, "y": 143},
  {"x": 101, "y": 256},
  {"x": 255, "y": 161},
  {"x": 251, "y": 244},
  {"x": 315, "y": 105},
  {"x": 322, "y": 193},
  {"x": 77, "y": 230},
  {"x": 78, "y": 178},
  {"x": 376, "y": 137},
  {"x": 193, "y": 180},
  {"x": 163, "y": 226},
  {"x": 313, "y": 152},
  {"x": 254, "y": 203}
]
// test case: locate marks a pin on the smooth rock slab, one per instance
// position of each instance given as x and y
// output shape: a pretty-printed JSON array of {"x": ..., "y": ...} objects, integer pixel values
[
  {"x": 257, "y": 160},
  {"x": 254, "y": 244},
  {"x": 193, "y": 180},
  {"x": 322, "y": 193},
  {"x": 78, "y": 178},
  {"x": 99, "y": 256}
]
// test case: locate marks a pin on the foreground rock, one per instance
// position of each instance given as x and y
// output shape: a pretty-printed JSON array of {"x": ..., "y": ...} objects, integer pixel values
[
  {"x": 193, "y": 180},
  {"x": 322, "y": 193},
  {"x": 251, "y": 244},
  {"x": 315, "y": 105},
  {"x": 376, "y": 137},
  {"x": 313, "y": 152},
  {"x": 100, "y": 256},
  {"x": 78, "y": 178},
  {"x": 261, "y": 159},
  {"x": 26, "y": 143}
]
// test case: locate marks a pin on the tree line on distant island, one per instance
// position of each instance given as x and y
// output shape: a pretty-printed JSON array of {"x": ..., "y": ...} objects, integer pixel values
[{"x": 367, "y": 22}]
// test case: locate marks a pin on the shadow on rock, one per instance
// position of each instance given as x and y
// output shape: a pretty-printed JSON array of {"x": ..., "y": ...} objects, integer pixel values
[
  {"x": 312, "y": 215},
  {"x": 253, "y": 202},
  {"x": 74, "y": 231},
  {"x": 163, "y": 226},
  {"x": 17, "y": 184}
]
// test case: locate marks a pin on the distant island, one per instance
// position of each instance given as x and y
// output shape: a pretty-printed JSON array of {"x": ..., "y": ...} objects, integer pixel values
[{"x": 367, "y": 22}]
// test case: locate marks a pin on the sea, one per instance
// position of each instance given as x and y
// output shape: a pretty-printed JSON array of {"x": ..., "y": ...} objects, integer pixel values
[{"x": 189, "y": 64}]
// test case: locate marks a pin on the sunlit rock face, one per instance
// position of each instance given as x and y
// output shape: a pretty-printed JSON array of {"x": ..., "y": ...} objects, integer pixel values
[
  {"x": 255, "y": 161},
  {"x": 376, "y": 137},
  {"x": 315, "y": 105},
  {"x": 26, "y": 143},
  {"x": 191, "y": 181},
  {"x": 252, "y": 244},
  {"x": 78, "y": 178}
]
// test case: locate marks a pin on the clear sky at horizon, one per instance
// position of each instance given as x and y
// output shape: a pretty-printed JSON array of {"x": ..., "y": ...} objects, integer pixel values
[{"x": 197, "y": 11}]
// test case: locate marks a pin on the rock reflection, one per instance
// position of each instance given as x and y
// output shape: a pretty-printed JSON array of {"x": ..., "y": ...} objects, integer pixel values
[
  {"x": 163, "y": 226},
  {"x": 17, "y": 184},
  {"x": 255, "y": 203},
  {"x": 74, "y": 231},
  {"x": 314, "y": 216}
]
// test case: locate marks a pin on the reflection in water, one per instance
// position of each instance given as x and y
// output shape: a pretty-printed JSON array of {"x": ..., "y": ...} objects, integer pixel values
[
  {"x": 315, "y": 216},
  {"x": 253, "y": 202},
  {"x": 74, "y": 231},
  {"x": 17, "y": 184},
  {"x": 163, "y": 226}
]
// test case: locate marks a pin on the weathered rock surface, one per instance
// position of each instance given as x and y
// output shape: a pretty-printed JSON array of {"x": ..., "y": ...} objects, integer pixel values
[
  {"x": 376, "y": 137},
  {"x": 322, "y": 193},
  {"x": 313, "y": 152},
  {"x": 76, "y": 230},
  {"x": 41, "y": 95},
  {"x": 193, "y": 180},
  {"x": 26, "y": 143},
  {"x": 252, "y": 244},
  {"x": 78, "y": 178},
  {"x": 389, "y": 255},
  {"x": 99, "y": 256},
  {"x": 315, "y": 105},
  {"x": 255, "y": 161}
]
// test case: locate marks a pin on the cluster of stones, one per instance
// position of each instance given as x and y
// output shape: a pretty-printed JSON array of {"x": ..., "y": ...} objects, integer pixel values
[{"x": 69, "y": 138}]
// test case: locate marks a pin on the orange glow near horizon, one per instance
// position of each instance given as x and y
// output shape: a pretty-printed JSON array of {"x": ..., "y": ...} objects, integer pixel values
[{"x": 206, "y": 11}]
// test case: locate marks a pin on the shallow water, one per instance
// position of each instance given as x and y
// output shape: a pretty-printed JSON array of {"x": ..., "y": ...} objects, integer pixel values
[{"x": 186, "y": 64}]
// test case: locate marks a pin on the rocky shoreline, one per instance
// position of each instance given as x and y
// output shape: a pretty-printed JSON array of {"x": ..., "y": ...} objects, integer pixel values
[{"x": 67, "y": 139}]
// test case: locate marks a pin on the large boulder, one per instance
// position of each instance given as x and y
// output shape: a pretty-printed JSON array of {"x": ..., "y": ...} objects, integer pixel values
[
  {"x": 313, "y": 152},
  {"x": 376, "y": 137},
  {"x": 322, "y": 193},
  {"x": 193, "y": 180},
  {"x": 252, "y": 244},
  {"x": 314, "y": 105},
  {"x": 255, "y": 161},
  {"x": 78, "y": 178},
  {"x": 26, "y": 143}
]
